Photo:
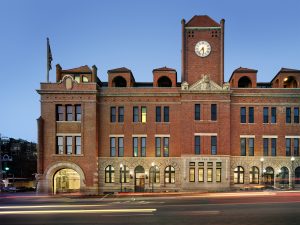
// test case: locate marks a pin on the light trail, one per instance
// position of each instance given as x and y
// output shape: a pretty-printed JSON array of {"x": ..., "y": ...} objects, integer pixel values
[
  {"x": 46, "y": 206},
  {"x": 27, "y": 212}
]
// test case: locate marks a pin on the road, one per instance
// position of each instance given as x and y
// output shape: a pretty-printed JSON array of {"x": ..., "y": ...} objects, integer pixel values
[{"x": 253, "y": 208}]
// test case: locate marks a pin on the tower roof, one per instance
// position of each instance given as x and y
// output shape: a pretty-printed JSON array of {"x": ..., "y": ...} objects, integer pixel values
[{"x": 202, "y": 21}]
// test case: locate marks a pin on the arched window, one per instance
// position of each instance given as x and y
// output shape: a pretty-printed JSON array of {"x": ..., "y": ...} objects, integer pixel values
[
  {"x": 164, "y": 82},
  {"x": 119, "y": 82},
  {"x": 297, "y": 175},
  {"x": 238, "y": 175},
  {"x": 284, "y": 175},
  {"x": 290, "y": 82},
  {"x": 109, "y": 174},
  {"x": 254, "y": 175},
  {"x": 170, "y": 175},
  {"x": 85, "y": 79},
  {"x": 154, "y": 174},
  {"x": 244, "y": 82}
]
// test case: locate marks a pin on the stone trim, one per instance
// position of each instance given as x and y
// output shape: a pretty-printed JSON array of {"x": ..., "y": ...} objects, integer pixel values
[
  {"x": 270, "y": 136},
  {"x": 68, "y": 134},
  {"x": 116, "y": 135},
  {"x": 139, "y": 135},
  {"x": 247, "y": 136},
  {"x": 162, "y": 135},
  {"x": 295, "y": 136}
]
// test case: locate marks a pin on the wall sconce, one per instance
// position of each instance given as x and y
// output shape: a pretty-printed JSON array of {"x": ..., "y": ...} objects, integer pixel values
[
  {"x": 146, "y": 175},
  {"x": 131, "y": 174}
]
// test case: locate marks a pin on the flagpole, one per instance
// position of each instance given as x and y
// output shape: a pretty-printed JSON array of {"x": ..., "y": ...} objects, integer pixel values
[{"x": 47, "y": 60}]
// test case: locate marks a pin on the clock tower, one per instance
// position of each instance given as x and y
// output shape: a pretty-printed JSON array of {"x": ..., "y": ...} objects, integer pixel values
[{"x": 202, "y": 50}]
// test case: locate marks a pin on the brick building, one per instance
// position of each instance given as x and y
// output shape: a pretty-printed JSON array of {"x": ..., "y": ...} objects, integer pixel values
[{"x": 198, "y": 134}]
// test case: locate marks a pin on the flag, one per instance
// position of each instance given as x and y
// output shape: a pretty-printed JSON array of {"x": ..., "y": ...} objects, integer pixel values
[{"x": 49, "y": 56}]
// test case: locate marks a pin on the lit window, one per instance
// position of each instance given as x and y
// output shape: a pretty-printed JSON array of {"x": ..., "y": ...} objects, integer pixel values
[
  {"x": 109, "y": 174},
  {"x": 154, "y": 174},
  {"x": 59, "y": 145},
  {"x": 238, "y": 176},
  {"x": 78, "y": 145},
  {"x": 218, "y": 171},
  {"x": 170, "y": 175},
  {"x": 192, "y": 172},
  {"x": 254, "y": 175},
  {"x": 201, "y": 171},
  {"x": 77, "y": 78},
  {"x": 144, "y": 114},
  {"x": 166, "y": 146},
  {"x": 69, "y": 145},
  {"x": 135, "y": 147},
  {"x": 124, "y": 174},
  {"x": 209, "y": 172},
  {"x": 85, "y": 79}
]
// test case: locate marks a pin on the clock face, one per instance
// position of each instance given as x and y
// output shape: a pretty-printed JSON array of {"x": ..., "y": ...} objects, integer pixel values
[{"x": 202, "y": 48}]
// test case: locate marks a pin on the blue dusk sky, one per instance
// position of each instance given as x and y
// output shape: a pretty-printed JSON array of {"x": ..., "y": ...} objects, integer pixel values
[{"x": 140, "y": 35}]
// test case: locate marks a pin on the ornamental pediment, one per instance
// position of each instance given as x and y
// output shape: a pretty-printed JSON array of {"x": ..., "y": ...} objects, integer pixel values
[{"x": 205, "y": 84}]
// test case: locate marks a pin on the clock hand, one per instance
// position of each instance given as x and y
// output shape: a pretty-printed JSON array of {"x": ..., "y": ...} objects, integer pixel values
[{"x": 202, "y": 49}]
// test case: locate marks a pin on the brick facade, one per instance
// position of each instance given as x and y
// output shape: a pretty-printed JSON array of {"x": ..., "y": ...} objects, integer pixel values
[{"x": 92, "y": 133}]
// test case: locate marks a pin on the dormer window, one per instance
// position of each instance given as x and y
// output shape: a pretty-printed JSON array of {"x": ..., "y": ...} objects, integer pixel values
[
  {"x": 119, "y": 82},
  {"x": 245, "y": 82},
  {"x": 77, "y": 78},
  {"x": 85, "y": 79}
]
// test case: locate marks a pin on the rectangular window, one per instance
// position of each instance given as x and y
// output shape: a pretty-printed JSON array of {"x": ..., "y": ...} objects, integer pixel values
[
  {"x": 197, "y": 145},
  {"x": 243, "y": 114},
  {"x": 135, "y": 114},
  {"x": 251, "y": 115},
  {"x": 296, "y": 115},
  {"x": 266, "y": 146},
  {"x": 69, "y": 115},
  {"x": 144, "y": 114},
  {"x": 59, "y": 113},
  {"x": 143, "y": 147},
  {"x": 158, "y": 114},
  {"x": 273, "y": 146},
  {"x": 121, "y": 114},
  {"x": 213, "y": 112},
  {"x": 197, "y": 112},
  {"x": 273, "y": 115},
  {"x": 266, "y": 115},
  {"x": 288, "y": 147},
  {"x": 112, "y": 146},
  {"x": 78, "y": 112},
  {"x": 213, "y": 145},
  {"x": 209, "y": 172},
  {"x": 166, "y": 146},
  {"x": 113, "y": 114},
  {"x": 157, "y": 146},
  {"x": 135, "y": 144},
  {"x": 77, "y": 145},
  {"x": 243, "y": 146},
  {"x": 60, "y": 145},
  {"x": 251, "y": 146},
  {"x": 120, "y": 146},
  {"x": 296, "y": 146},
  {"x": 69, "y": 145},
  {"x": 192, "y": 172},
  {"x": 218, "y": 172},
  {"x": 201, "y": 171},
  {"x": 288, "y": 115},
  {"x": 166, "y": 114}
]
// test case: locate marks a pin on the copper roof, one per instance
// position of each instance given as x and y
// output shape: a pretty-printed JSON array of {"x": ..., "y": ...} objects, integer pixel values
[
  {"x": 81, "y": 69},
  {"x": 202, "y": 21}
]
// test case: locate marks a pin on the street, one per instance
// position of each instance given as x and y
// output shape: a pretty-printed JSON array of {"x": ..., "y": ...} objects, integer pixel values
[{"x": 204, "y": 208}]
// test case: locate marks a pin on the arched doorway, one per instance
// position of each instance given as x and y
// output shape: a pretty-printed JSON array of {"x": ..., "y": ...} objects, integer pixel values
[
  {"x": 269, "y": 177},
  {"x": 139, "y": 182},
  {"x": 66, "y": 181},
  {"x": 297, "y": 175}
]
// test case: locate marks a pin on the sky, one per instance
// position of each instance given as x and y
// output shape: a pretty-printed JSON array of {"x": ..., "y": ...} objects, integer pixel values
[{"x": 138, "y": 34}]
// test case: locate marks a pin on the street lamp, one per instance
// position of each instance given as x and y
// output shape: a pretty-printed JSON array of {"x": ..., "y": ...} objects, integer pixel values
[
  {"x": 262, "y": 169},
  {"x": 292, "y": 172},
  {"x": 153, "y": 174},
  {"x": 121, "y": 168}
]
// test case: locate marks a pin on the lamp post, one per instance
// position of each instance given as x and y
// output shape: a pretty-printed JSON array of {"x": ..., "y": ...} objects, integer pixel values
[
  {"x": 262, "y": 170},
  {"x": 292, "y": 172},
  {"x": 153, "y": 174},
  {"x": 121, "y": 168}
]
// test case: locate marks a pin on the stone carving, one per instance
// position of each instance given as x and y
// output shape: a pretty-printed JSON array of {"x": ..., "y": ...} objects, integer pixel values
[
  {"x": 69, "y": 81},
  {"x": 206, "y": 84},
  {"x": 184, "y": 86}
]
